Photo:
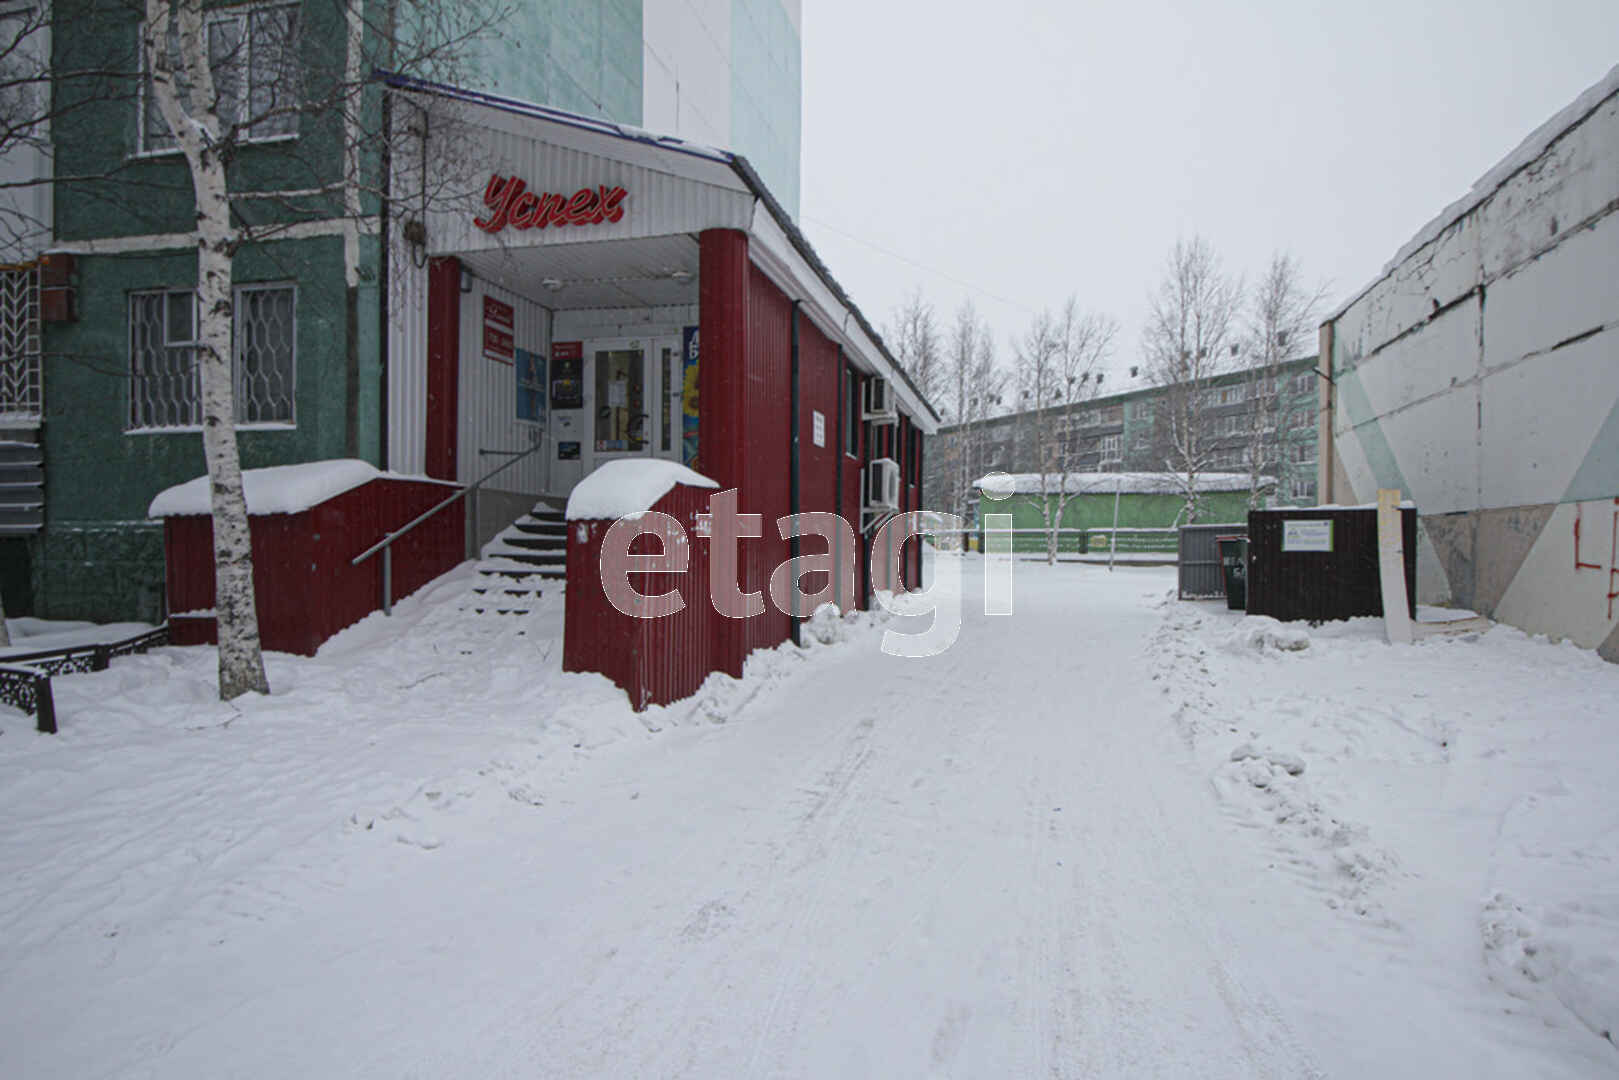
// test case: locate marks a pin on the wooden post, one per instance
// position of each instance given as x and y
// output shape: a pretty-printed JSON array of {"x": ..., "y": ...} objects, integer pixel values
[{"x": 1391, "y": 567}]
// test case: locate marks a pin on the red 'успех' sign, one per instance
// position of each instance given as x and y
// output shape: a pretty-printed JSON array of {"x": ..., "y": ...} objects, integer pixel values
[{"x": 510, "y": 203}]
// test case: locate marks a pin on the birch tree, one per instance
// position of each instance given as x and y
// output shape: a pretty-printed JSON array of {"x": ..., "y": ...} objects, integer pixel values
[
  {"x": 182, "y": 87},
  {"x": 212, "y": 103},
  {"x": 1282, "y": 318},
  {"x": 1192, "y": 325},
  {"x": 971, "y": 390},
  {"x": 915, "y": 337},
  {"x": 1058, "y": 364}
]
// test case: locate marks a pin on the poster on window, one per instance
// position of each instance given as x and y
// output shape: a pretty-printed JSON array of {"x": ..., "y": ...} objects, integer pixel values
[
  {"x": 530, "y": 369},
  {"x": 499, "y": 341},
  {"x": 688, "y": 396}
]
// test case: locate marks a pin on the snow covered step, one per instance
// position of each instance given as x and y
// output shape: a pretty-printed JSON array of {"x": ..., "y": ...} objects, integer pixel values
[{"x": 526, "y": 558}]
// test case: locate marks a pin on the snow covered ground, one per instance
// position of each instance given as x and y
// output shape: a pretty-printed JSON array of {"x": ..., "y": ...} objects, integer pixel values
[{"x": 1110, "y": 835}]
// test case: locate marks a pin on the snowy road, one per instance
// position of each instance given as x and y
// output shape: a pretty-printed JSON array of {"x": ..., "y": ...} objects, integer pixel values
[{"x": 1007, "y": 860}]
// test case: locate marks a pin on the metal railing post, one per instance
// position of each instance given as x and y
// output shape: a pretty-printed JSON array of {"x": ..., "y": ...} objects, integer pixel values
[{"x": 384, "y": 547}]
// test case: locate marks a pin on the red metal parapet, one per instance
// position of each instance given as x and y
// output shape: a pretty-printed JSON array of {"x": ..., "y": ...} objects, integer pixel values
[
  {"x": 655, "y": 660},
  {"x": 305, "y": 587}
]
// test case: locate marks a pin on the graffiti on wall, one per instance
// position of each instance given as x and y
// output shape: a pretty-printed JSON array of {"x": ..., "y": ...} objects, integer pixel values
[{"x": 1609, "y": 590}]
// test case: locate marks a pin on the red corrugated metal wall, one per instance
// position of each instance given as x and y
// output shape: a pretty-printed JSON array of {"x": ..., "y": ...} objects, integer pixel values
[
  {"x": 723, "y": 293},
  {"x": 306, "y": 591},
  {"x": 853, "y": 477},
  {"x": 818, "y": 465},
  {"x": 767, "y": 435},
  {"x": 655, "y": 661}
]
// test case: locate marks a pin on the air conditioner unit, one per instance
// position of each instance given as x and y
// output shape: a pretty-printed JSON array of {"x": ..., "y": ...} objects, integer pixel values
[
  {"x": 880, "y": 402},
  {"x": 882, "y": 484}
]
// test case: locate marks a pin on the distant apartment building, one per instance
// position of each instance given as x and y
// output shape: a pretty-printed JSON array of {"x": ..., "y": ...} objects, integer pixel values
[{"x": 1128, "y": 431}]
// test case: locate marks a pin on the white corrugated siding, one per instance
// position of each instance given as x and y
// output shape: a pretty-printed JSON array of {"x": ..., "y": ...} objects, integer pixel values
[
  {"x": 658, "y": 203},
  {"x": 487, "y": 392},
  {"x": 407, "y": 361}
]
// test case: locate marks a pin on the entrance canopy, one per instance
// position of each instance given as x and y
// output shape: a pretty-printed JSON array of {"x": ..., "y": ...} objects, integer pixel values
[{"x": 584, "y": 215}]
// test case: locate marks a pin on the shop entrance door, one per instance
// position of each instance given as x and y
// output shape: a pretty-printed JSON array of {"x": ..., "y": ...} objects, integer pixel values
[{"x": 635, "y": 386}]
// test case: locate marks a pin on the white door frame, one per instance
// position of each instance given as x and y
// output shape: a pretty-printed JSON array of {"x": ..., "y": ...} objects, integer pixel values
[{"x": 655, "y": 409}]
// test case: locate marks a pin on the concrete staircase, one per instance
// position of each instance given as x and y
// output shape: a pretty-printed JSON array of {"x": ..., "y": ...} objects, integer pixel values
[{"x": 527, "y": 557}]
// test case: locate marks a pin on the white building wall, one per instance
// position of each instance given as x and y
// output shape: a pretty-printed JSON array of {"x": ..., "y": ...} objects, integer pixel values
[
  {"x": 487, "y": 395},
  {"x": 1480, "y": 374},
  {"x": 686, "y": 69},
  {"x": 407, "y": 359}
]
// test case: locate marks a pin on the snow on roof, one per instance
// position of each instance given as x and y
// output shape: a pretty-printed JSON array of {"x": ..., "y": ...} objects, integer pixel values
[
  {"x": 280, "y": 489},
  {"x": 1130, "y": 483},
  {"x": 1527, "y": 151},
  {"x": 628, "y": 486}
]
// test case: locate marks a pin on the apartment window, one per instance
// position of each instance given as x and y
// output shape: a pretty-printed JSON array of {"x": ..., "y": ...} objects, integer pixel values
[
  {"x": 1113, "y": 414},
  {"x": 165, "y": 389},
  {"x": 1303, "y": 487},
  {"x": 1305, "y": 383},
  {"x": 1110, "y": 447},
  {"x": 253, "y": 57}
]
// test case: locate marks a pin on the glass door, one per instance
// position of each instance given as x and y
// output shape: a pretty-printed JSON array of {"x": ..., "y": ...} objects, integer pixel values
[{"x": 624, "y": 423}]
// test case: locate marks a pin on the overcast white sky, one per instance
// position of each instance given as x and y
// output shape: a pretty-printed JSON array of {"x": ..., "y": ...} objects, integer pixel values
[{"x": 1033, "y": 150}]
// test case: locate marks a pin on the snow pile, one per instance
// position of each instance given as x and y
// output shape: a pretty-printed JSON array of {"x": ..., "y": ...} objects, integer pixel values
[
  {"x": 1000, "y": 485},
  {"x": 29, "y": 635},
  {"x": 1261, "y": 633},
  {"x": 826, "y": 626},
  {"x": 279, "y": 489},
  {"x": 628, "y": 486},
  {"x": 1391, "y": 781},
  {"x": 1564, "y": 956}
]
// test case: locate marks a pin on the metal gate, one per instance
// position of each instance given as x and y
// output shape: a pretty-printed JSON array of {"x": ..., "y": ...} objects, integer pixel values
[
  {"x": 22, "y": 394},
  {"x": 1200, "y": 577}
]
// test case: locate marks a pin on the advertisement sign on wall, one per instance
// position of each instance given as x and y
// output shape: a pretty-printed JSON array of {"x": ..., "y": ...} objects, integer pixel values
[
  {"x": 688, "y": 397},
  {"x": 499, "y": 330}
]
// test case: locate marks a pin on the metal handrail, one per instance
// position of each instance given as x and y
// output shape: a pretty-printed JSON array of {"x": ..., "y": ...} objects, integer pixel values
[{"x": 385, "y": 545}]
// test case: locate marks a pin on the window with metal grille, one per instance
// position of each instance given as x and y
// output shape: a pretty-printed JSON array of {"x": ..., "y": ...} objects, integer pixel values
[
  {"x": 165, "y": 390},
  {"x": 21, "y": 388},
  {"x": 253, "y": 57}
]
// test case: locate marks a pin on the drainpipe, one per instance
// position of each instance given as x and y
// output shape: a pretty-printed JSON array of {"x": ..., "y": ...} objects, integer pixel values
[
  {"x": 1324, "y": 448},
  {"x": 793, "y": 492},
  {"x": 837, "y": 485},
  {"x": 384, "y": 256}
]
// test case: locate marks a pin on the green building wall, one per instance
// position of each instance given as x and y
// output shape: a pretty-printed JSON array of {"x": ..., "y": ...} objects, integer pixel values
[
  {"x": 1095, "y": 511},
  {"x": 99, "y": 558},
  {"x": 583, "y": 56}
]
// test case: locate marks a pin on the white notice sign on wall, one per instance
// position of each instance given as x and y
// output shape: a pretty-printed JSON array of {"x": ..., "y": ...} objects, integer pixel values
[
  {"x": 1307, "y": 535},
  {"x": 820, "y": 429}
]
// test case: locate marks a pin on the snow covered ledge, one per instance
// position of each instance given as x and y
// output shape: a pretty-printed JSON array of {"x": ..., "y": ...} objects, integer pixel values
[
  {"x": 629, "y": 486},
  {"x": 279, "y": 489}
]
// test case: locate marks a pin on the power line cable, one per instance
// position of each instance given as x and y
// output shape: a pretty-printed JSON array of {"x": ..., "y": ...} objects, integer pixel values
[{"x": 977, "y": 290}]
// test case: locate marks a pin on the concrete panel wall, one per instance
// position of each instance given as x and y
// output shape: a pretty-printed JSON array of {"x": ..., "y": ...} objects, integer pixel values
[{"x": 1480, "y": 374}]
